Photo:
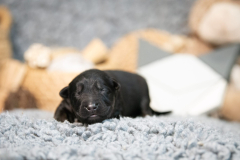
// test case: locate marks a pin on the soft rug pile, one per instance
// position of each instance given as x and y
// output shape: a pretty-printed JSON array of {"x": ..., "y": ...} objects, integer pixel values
[{"x": 29, "y": 136}]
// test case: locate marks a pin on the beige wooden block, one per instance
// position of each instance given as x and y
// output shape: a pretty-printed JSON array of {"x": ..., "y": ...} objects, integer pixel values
[{"x": 95, "y": 51}]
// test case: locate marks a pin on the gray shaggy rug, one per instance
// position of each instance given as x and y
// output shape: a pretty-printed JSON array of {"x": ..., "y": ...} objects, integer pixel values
[{"x": 31, "y": 136}]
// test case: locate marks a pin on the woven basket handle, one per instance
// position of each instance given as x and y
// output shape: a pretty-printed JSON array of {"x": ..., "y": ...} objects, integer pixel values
[{"x": 5, "y": 18}]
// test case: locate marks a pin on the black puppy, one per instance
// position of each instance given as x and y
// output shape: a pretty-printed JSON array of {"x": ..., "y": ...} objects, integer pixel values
[{"x": 95, "y": 95}]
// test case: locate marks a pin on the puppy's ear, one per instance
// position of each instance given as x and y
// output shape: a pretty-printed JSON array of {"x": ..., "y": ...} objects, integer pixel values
[
  {"x": 116, "y": 85},
  {"x": 64, "y": 112},
  {"x": 64, "y": 92}
]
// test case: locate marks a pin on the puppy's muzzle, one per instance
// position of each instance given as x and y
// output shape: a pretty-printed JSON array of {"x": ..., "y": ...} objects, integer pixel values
[{"x": 91, "y": 106}]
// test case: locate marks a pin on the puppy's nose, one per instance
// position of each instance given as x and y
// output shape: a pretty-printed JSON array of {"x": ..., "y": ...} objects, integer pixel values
[{"x": 92, "y": 106}]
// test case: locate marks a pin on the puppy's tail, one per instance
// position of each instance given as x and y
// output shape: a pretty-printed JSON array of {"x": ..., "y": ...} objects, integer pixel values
[{"x": 161, "y": 113}]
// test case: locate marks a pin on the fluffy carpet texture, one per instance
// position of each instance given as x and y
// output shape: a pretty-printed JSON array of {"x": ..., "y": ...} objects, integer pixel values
[{"x": 24, "y": 137}]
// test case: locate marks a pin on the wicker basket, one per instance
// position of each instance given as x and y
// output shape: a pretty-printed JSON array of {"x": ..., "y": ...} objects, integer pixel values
[
  {"x": 12, "y": 73},
  {"x": 123, "y": 54},
  {"x": 45, "y": 86}
]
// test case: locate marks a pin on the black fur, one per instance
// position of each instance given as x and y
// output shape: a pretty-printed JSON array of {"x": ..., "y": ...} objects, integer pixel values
[{"x": 95, "y": 95}]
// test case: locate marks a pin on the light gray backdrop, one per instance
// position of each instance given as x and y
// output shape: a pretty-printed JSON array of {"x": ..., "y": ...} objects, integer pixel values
[{"x": 75, "y": 23}]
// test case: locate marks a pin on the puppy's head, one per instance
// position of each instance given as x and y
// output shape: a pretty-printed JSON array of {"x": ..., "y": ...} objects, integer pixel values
[{"x": 92, "y": 95}]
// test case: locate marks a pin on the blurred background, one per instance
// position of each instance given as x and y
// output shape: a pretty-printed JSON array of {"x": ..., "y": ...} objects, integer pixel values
[
  {"x": 45, "y": 44},
  {"x": 76, "y": 23}
]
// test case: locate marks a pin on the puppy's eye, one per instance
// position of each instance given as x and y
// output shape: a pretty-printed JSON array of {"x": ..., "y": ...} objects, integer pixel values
[
  {"x": 79, "y": 88},
  {"x": 79, "y": 92},
  {"x": 104, "y": 90}
]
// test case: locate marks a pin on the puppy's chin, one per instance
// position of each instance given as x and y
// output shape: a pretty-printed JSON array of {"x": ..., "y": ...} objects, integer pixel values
[{"x": 94, "y": 119}]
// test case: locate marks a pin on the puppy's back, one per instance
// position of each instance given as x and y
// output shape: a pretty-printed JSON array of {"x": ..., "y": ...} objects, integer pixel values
[{"x": 133, "y": 91}]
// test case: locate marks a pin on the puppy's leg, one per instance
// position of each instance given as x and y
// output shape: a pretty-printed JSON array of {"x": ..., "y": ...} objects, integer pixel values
[
  {"x": 64, "y": 112},
  {"x": 145, "y": 108}
]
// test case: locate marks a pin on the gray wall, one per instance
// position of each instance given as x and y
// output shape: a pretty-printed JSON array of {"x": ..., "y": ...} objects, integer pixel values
[{"x": 76, "y": 22}]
